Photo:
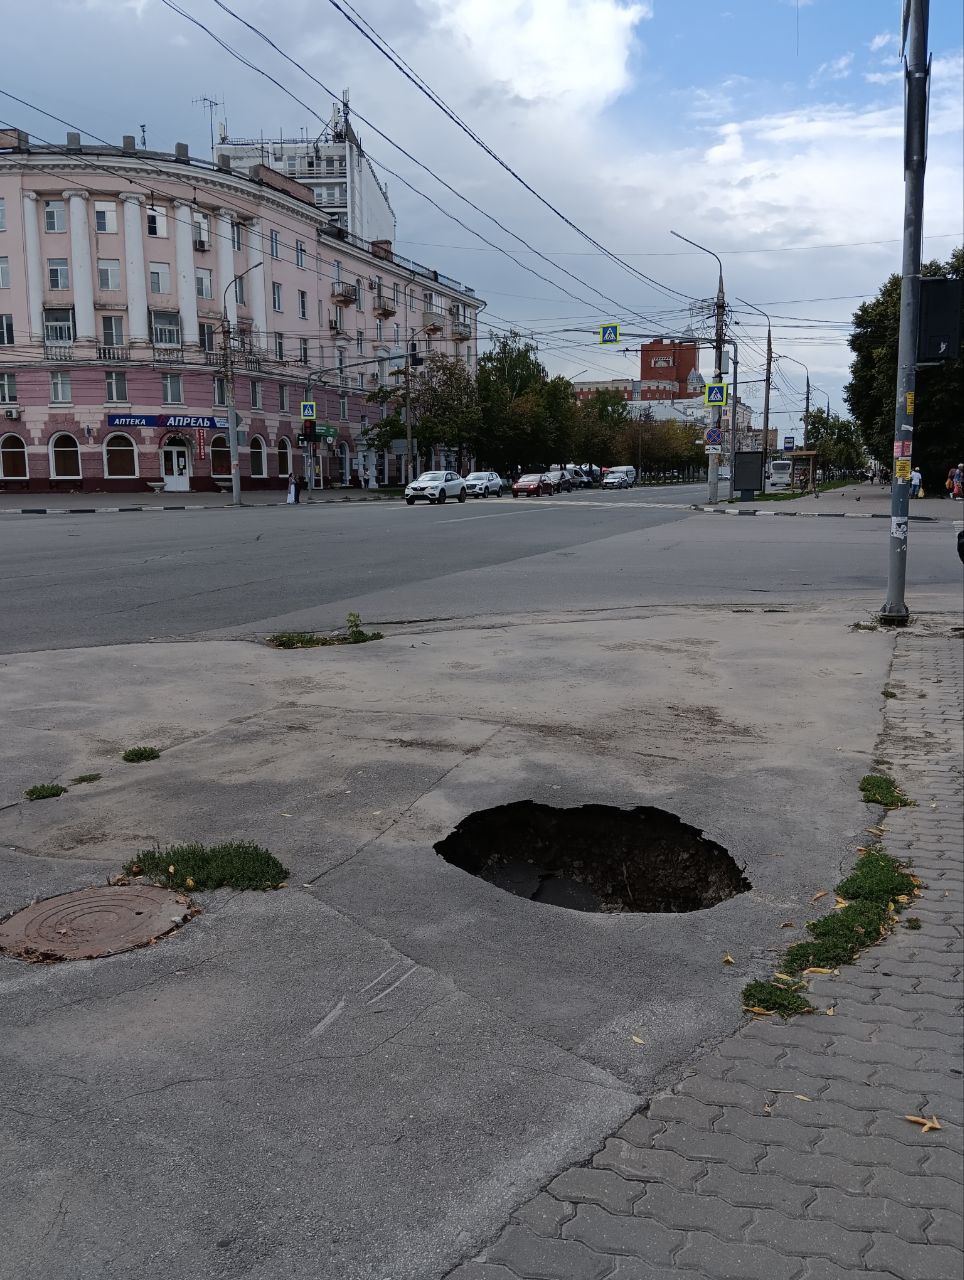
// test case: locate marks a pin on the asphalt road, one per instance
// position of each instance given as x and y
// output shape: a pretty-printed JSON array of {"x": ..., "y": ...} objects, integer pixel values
[{"x": 71, "y": 581}]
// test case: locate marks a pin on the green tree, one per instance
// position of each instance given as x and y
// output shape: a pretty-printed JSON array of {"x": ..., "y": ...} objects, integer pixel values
[
  {"x": 872, "y": 390},
  {"x": 836, "y": 441},
  {"x": 444, "y": 405},
  {"x": 514, "y": 399},
  {"x": 601, "y": 423}
]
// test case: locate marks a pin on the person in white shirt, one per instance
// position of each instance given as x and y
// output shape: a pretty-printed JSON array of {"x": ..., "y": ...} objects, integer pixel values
[{"x": 915, "y": 482}]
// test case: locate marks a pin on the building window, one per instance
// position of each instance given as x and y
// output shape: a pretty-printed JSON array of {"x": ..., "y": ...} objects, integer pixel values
[
  {"x": 167, "y": 329},
  {"x": 300, "y": 253},
  {"x": 360, "y": 341},
  {"x": 302, "y": 304},
  {"x": 105, "y": 216},
  {"x": 359, "y": 295},
  {"x": 59, "y": 325},
  {"x": 116, "y": 386},
  {"x": 276, "y": 297},
  {"x": 339, "y": 319},
  {"x": 257, "y": 397},
  {"x": 396, "y": 334},
  {"x": 220, "y": 456},
  {"x": 239, "y": 291},
  {"x": 259, "y": 468},
  {"x": 64, "y": 457},
  {"x": 206, "y": 336},
  {"x": 6, "y": 330},
  {"x": 120, "y": 458},
  {"x": 202, "y": 230},
  {"x": 55, "y": 215},
  {"x": 57, "y": 274},
  {"x": 160, "y": 277},
  {"x": 279, "y": 346},
  {"x": 4, "y": 273},
  {"x": 343, "y": 408},
  {"x": 336, "y": 267},
  {"x": 13, "y": 456},
  {"x": 220, "y": 392},
  {"x": 303, "y": 350},
  {"x": 378, "y": 331},
  {"x": 395, "y": 295},
  {"x": 171, "y": 389},
  {"x": 157, "y": 224},
  {"x": 204, "y": 282},
  {"x": 274, "y": 242},
  {"x": 108, "y": 273},
  {"x": 237, "y": 236},
  {"x": 410, "y": 299},
  {"x": 283, "y": 400},
  {"x": 8, "y": 388},
  {"x": 284, "y": 456},
  {"x": 112, "y": 328},
  {"x": 3, "y": 214},
  {"x": 60, "y": 388}
]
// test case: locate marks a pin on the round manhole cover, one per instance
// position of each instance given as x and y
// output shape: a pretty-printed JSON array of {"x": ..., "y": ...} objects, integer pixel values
[{"x": 95, "y": 922}]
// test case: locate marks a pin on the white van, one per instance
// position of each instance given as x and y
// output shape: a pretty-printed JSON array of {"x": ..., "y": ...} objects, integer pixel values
[
  {"x": 781, "y": 473},
  {"x": 628, "y": 472}
]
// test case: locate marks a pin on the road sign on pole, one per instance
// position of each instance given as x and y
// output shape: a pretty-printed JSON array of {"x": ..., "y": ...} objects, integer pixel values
[
  {"x": 715, "y": 393},
  {"x": 714, "y": 448},
  {"x": 713, "y": 435},
  {"x": 789, "y": 442},
  {"x": 308, "y": 410},
  {"x": 609, "y": 335}
]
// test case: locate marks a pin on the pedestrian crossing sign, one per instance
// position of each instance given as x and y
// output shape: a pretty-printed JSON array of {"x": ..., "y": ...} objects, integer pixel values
[
  {"x": 715, "y": 393},
  {"x": 608, "y": 335},
  {"x": 308, "y": 411}
]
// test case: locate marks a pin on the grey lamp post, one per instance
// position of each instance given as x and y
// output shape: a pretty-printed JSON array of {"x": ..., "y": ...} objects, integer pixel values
[{"x": 229, "y": 386}]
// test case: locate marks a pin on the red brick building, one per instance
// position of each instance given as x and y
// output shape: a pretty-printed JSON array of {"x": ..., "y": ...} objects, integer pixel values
[{"x": 669, "y": 370}]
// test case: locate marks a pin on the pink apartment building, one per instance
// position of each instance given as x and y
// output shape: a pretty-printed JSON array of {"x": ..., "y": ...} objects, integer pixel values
[{"x": 134, "y": 283}]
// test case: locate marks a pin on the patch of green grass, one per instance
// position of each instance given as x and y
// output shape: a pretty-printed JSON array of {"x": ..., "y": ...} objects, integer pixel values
[
  {"x": 774, "y": 998},
  {"x": 354, "y": 634},
  {"x": 135, "y": 755},
  {"x": 838, "y": 937},
  {"x": 912, "y": 922},
  {"x": 888, "y": 693},
  {"x": 877, "y": 877},
  {"x": 45, "y": 791},
  {"x": 877, "y": 788},
  {"x": 85, "y": 777},
  {"x": 865, "y": 626},
  {"x": 235, "y": 864}
]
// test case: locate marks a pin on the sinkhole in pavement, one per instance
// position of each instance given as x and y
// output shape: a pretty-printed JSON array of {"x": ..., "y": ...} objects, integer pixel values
[{"x": 594, "y": 858}]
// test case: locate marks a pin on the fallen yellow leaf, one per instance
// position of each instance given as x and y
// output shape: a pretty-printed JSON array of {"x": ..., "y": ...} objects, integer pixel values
[
  {"x": 728, "y": 959},
  {"x": 802, "y": 1097},
  {"x": 636, "y": 1040},
  {"x": 903, "y": 897},
  {"x": 188, "y": 883},
  {"x": 755, "y": 1008},
  {"x": 831, "y": 1011},
  {"x": 840, "y": 903},
  {"x": 927, "y": 1123},
  {"x": 822, "y": 894},
  {"x": 170, "y": 871},
  {"x": 788, "y": 924},
  {"x": 816, "y": 969},
  {"x": 785, "y": 976}
]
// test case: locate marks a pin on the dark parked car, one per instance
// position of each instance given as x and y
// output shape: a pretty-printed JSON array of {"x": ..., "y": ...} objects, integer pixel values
[
  {"x": 533, "y": 485},
  {"x": 560, "y": 480}
]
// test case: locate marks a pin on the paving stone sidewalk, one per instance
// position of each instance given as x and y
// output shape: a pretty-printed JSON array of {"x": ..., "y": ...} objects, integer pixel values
[{"x": 785, "y": 1154}]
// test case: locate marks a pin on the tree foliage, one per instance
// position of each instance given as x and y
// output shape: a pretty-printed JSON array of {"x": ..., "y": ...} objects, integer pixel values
[
  {"x": 836, "y": 441},
  {"x": 872, "y": 390},
  {"x": 444, "y": 405}
]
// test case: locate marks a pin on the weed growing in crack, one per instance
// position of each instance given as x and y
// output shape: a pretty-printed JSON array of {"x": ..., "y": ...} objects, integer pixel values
[
  {"x": 235, "y": 864},
  {"x": 137, "y": 755},
  {"x": 85, "y": 777},
  {"x": 45, "y": 791},
  {"x": 877, "y": 788}
]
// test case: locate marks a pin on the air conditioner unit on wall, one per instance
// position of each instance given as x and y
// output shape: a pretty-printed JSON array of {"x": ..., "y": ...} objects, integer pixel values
[{"x": 11, "y": 414}]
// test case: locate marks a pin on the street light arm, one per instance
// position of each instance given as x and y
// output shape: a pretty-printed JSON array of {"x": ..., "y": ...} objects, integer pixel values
[
  {"x": 699, "y": 246},
  {"x": 232, "y": 282}
]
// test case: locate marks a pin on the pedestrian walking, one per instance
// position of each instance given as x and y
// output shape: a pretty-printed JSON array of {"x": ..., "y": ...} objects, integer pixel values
[
  {"x": 916, "y": 480},
  {"x": 292, "y": 489},
  {"x": 366, "y": 479},
  {"x": 958, "y": 489}
]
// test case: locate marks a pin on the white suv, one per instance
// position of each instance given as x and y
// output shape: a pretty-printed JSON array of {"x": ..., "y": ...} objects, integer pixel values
[
  {"x": 436, "y": 486},
  {"x": 628, "y": 472}
]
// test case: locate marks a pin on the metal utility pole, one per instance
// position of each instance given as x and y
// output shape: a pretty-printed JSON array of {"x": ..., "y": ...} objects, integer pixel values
[
  {"x": 916, "y": 85},
  {"x": 767, "y": 383},
  {"x": 713, "y": 483},
  {"x": 733, "y": 407},
  {"x": 229, "y": 397}
]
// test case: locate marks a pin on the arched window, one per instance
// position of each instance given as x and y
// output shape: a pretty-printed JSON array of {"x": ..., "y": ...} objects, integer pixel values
[
  {"x": 259, "y": 460},
  {"x": 120, "y": 457},
  {"x": 345, "y": 462},
  {"x": 220, "y": 456},
  {"x": 64, "y": 457},
  {"x": 13, "y": 458},
  {"x": 284, "y": 456}
]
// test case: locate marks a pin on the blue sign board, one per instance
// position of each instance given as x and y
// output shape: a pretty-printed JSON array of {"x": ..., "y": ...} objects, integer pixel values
[
  {"x": 789, "y": 442},
  {"x": 609, "y": 335}
]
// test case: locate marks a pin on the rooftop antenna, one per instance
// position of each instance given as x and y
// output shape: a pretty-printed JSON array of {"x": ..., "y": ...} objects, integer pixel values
[
  {"x": 143, "y": 129},
  {"x": 211, "y": 104}
]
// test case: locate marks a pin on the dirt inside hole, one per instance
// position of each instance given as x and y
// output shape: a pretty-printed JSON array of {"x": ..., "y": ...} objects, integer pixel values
[{"x": 594, "y": 858}]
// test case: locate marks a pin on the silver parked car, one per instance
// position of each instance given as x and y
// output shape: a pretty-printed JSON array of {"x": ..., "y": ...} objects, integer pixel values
[
  {"x": 436, "y": 486},
  {"x": 479, "y": 484}
]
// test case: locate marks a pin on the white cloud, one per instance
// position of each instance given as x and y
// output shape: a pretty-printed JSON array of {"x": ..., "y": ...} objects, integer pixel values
[
  {"x": 883, "y": 77},
  {"x": 577, "y": 50},
  {"x": 837, "y": 69},
  {"x": 881, "y": 41}
]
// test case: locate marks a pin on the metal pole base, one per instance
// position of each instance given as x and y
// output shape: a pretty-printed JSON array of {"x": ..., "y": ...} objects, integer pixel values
[{"x": 894, "y": 615}]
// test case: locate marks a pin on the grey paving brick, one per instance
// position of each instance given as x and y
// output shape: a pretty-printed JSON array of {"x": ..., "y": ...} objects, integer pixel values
[
  {"x": 700, "y": 1144},
  {"x": 686, "y": 1211},
  {"x": 869, "y": 1213},
  {"x": 597, "y": 1186},
  {"x": 842, "y": 1068},
  {"x": 900, "y": 1055},
  {"x": 822, "y": 1269},
  {"x": 801, "y": 1238},
  {"x": 647, "y": 1165},
  {"x": 607, "y": 1233},
  {"x": 723, "y": 1093},
  {"x": 917, "y": 1081},
  {"x": 913, "y": 1261},
  {"x": 719, "y": 1260},
  {"x": 816, "y": 1170},
  {"x": 481, "y": 1271},
  {"x": 746, "y": 1050},
  {"x": 756, "y": 1190},
  {"x": 890, "y": 1124},
  {"x": 768, "y": 1129},
  {"x": 856, "y": 1007},
  {"x": 807, "y": 1033},
  {"x": 543, "y": 1215},
  {"x": 944, "y": 1163},
  {"x": 633, "y": 1269},
  {"x": 535, "y": 1258},
  {"x": 820, "y": 1114},
  {"x": 639, "y": 1130},
  {"x": 873, "y": 1097},
  {"x": 946, "y": 1227},
  {"x": 925, "y": 1192},
  {"x": 681, "y": 1107},
  {"x": 775, "y": 1079},
  {"x": 879, "y": 1152}
]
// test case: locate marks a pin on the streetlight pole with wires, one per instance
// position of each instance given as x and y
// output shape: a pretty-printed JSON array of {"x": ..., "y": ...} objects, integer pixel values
[
  {"x": 229, "y": 397},
  {"x": 713, "y": 482}
]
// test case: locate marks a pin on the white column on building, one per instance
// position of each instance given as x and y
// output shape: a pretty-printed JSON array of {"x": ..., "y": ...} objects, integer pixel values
[
  {"x": 137, "y": 329},
  {"x": 259, "y": 288},
  {"x": 35, "y": 266},
  {"x": 81, "y": 268},
  {"x": 186, "y": 286},
  {"x": 226, "y": 272}
]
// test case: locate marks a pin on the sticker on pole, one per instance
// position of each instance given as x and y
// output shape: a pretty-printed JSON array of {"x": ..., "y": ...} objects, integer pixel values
[
  {"x": 307, "y": 410},
  {"x": 902, "y": 468},
  {"x": 714, "y": 448},
  {"x": 898, "y": 527},
  {"x": 715, "y": 393},
  {"x": 608, "y": 335},
  {"x": 902, "y": 448}
]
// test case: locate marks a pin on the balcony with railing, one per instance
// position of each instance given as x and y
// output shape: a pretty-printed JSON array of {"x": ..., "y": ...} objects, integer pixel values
[
  {"x": 433, "y": 320},
  {"x": 114, "y": 353},
  {"x": 461, "y": 331},
  {"x": 344, "y": 293},
  {"x": 383, "y": 306},
  {"x": 168, "y": 354},
  {"x": 58, "y": 349}
]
